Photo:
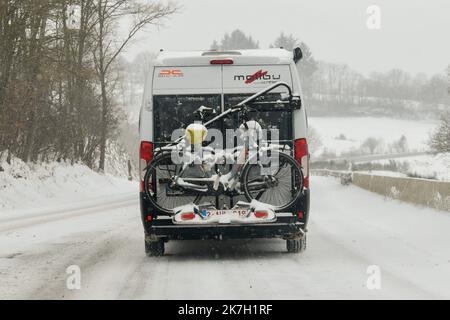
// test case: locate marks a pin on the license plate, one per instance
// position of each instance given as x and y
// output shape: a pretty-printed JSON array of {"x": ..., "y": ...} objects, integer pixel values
[{"x": 218, "y": 213}]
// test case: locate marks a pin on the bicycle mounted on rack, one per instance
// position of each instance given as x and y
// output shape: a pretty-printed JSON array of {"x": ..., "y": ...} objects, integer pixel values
[{"x": 184, "y": 168}]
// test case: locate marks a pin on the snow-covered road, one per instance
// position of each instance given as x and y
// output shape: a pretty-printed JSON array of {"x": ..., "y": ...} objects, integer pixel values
[{"x": 350, "y": 230}]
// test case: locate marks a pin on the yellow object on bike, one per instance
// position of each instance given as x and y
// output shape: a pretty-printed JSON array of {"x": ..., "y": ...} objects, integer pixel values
[{"x": 196, "y": 133}]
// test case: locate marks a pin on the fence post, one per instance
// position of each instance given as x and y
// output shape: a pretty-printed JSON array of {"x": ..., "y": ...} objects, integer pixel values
[{"x": 130, "y": 177}]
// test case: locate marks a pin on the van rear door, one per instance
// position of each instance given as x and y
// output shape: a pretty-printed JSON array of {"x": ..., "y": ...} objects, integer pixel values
[{"x": 178, "y": 91}]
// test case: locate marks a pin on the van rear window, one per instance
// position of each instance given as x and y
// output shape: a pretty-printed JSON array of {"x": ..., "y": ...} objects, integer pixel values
[
  {"x": 172, "y": 112},
  {"x": 281, "y": 120}
]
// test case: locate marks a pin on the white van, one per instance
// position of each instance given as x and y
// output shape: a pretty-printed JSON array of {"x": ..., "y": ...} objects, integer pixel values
[{"x": 178, "y": 84}]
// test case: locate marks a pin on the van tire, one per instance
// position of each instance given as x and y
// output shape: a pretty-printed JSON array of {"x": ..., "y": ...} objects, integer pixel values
[
  {"x": 154, "y": 248},
  {"x": 296, "y": 245}
]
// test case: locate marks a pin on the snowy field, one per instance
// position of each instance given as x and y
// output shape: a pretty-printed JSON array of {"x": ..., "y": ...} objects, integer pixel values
[
  {"x": 27, "y": 186},
  {"x": 424, "y": 166},
  {"x": 350, "y": 230},
  {"x": 357, "y": 129}
]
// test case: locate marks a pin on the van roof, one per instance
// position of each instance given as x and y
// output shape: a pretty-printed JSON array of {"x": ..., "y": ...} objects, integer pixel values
[{"x": 239, "y": 57}]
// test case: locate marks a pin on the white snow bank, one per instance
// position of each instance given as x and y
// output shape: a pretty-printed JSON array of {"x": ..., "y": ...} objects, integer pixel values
[
  {"x": 26, "y": 186},
  {"x": 431, "y": 166},
  {"x": 424, "y": 166}
]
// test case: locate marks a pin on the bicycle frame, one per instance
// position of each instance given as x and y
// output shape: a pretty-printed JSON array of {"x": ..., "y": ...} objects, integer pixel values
[{"x": 229, "y": 181}]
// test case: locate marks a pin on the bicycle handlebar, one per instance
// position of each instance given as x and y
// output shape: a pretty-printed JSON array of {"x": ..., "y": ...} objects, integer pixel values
[
  {"x": 264, "y": 91},
  {"x": 242, "y": 104}
]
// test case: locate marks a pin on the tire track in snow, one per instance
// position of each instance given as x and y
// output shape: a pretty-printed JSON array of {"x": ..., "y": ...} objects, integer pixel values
[
  {"x": 45, "y": 217},
  {"x": 40, "y": 271}
]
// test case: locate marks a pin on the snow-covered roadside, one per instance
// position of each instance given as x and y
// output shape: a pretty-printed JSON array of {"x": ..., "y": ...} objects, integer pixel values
[
  {"x": 350, "y": 230},
  {"x": 430, "y": 166},
  {"x": 426, "y": 166},
  {"x": 31, "y": 186}
]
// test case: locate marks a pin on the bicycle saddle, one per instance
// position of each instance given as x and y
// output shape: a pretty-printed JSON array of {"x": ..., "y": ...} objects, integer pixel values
[{"x": 205, "y": 110}]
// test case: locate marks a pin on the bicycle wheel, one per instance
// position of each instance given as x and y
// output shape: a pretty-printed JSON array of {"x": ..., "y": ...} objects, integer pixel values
[
  {"x": 278, "y": 184},
  {"x": 157, "y": 182}
]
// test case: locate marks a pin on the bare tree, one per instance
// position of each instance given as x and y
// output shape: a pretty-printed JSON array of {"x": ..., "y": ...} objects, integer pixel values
[
  {"x": 314, "y": 139},
  {"x": 235, "y": 40},
  {"x": 287, "y": 42},
  {"x": 109, "y": 13},
  {"x": 307, "y": 66},
  {"x": 448, "y": 78},
  {"x": 58, "y": 80},
  {"x": 371, "y": 143}
]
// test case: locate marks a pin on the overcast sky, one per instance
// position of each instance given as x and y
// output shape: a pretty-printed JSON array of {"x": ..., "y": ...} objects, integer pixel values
[{"x": 414, "y": 34}]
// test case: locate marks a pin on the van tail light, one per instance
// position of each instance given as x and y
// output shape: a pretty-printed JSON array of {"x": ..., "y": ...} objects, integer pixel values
[
  {"x": 145, "y": 155},
  {"x": 302, "y": 156},
  {"x": 261, "y": 214},
  {"x": 188, "y": 216},
  {"x": 222, "y": 61}
]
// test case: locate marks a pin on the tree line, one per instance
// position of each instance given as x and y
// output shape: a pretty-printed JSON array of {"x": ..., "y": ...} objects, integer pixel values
[
  {"x": 336, "y": 89},
  {"x": 59, "y": 74},
  {"x": 306, "y": 67}
]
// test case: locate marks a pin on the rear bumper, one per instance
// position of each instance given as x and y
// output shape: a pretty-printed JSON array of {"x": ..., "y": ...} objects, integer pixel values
[
  {"x": 287, "y": 225},
  {"x": 284, "y": 227}
]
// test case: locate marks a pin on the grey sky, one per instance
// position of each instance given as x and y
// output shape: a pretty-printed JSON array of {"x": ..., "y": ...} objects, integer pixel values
[{"x": 414, "y": 34}]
